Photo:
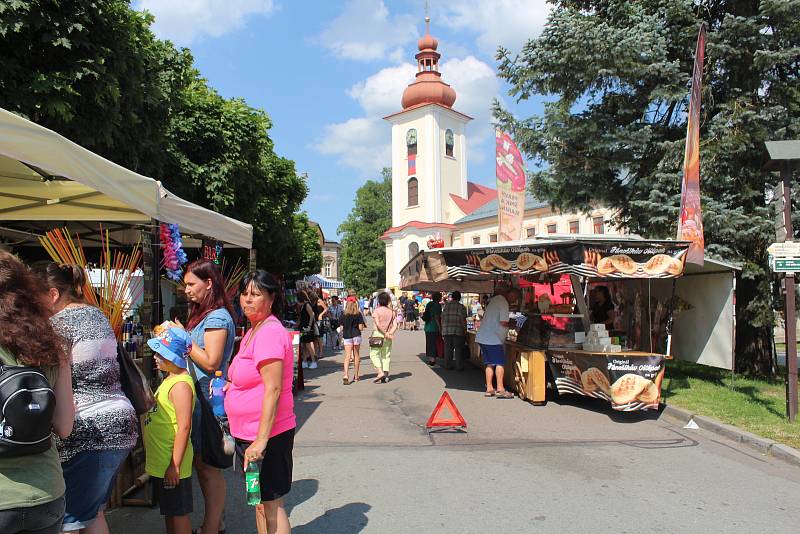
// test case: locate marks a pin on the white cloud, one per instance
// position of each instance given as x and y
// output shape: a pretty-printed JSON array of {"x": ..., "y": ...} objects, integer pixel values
[
  {"x": 365, "y": 31},
  {"x": 184, "y": 21},
  {"x": 363, "y": 143},
  {"x": 380, "y": 94},
  {"x": 360, "y": 143},
  {"x": 509, "y": 23}
]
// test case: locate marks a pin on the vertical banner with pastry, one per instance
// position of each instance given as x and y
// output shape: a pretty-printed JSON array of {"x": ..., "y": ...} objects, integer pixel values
[
  {"x": 630, "y": 383},
  {"x": 510, "y": 172},
  {"x": 690, "y": 224}
]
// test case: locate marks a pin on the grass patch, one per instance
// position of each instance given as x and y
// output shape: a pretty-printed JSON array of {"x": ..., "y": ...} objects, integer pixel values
[{"x": 755, "y": 405}]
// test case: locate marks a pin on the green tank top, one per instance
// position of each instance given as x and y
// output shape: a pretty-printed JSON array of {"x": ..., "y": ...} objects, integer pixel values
[
  {"x": 27, "y": 481},
  {"x": 160, "y": 427}
]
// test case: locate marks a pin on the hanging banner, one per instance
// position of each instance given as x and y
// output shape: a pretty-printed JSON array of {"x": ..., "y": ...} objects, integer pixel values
[
  {"x": 591, "y": 259},
  {"x": 510, "y": 172},
  {"x": 690, "y": 224}
]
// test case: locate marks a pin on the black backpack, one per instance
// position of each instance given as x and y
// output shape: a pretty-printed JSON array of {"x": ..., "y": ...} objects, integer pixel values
[{"x": 27, "y": 402}]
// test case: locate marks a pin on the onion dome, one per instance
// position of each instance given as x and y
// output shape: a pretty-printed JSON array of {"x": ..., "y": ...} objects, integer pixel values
[{"x": 428, "y": 88}]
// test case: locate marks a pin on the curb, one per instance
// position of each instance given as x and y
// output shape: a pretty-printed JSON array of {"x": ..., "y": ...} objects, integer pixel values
[{"x": 763, "y": 445}]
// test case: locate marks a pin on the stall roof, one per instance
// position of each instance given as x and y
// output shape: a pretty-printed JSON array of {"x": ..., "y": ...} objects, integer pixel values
[
  {"x": 46, "y": 177},
  {"x": 598, "y": 257}
]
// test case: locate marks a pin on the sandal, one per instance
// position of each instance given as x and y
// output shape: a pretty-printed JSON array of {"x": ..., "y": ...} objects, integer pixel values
[
  {"x": 345, "y": 380},
  {"x": 378, "y": 379},
  {"x": 489, "y": 393},
  {"x": 504, "y": 394}
]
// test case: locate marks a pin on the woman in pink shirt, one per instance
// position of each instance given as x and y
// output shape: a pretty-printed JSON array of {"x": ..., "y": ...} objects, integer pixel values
[
  {"x": 259, "y": 399},
  {"x": 385, "y": 327}
]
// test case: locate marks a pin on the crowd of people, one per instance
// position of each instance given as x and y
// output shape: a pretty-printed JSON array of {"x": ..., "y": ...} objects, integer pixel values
[{"x": 47, "y": 324}]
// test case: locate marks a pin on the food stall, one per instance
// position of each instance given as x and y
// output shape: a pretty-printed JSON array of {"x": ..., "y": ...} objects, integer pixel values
[
  {"x": 48, "y": 183},
  {"x": 621, "y": 363}
]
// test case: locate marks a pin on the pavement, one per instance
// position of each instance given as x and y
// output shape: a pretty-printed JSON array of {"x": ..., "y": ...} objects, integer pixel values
[{"x": 363, "y": 462}]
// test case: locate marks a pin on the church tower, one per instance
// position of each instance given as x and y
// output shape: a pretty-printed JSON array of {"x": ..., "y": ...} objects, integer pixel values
[{"x": 429, "y": 161}]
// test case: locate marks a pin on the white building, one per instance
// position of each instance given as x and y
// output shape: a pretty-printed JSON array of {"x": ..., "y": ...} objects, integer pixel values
[{"x": 430, "y": 191}]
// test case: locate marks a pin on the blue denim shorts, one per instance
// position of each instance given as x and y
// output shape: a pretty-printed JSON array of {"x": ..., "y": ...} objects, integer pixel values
[
  {"x": 89, "y": 477},
  {"x": 493, "y": 354}
]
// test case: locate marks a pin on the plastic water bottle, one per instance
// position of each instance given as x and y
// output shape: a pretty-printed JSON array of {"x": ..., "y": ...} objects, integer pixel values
[
  {"x": 252, "y": 481},
  {"x": 218, "y": 394}
]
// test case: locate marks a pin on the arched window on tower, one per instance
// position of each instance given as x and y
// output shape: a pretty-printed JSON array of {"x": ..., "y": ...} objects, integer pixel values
[
  {"x": 449, "y": 142},
  {"x": 413, "y": 192},
  {"x": 413, "y": 250}
]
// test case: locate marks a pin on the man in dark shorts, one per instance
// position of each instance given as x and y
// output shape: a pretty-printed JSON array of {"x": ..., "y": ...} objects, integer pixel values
[
  {"x": 410, "y": 310},
  {"x": 492, "y": 337}
]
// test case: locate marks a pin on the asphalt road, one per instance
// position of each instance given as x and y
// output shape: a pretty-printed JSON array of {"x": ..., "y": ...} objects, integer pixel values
[{"x": 364, "y": 463}]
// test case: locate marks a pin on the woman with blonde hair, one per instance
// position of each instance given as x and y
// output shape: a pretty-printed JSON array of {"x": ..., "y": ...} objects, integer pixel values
[{"x": 352, "y": 325}]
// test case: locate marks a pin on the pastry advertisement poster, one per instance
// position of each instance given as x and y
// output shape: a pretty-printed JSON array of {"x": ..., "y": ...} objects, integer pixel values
[
  {"x": 629, "y": 383},
  {"x": 690, "y": 224},
  {"x": 601, "y": 259},
  {"x": 510, "y": 172}
]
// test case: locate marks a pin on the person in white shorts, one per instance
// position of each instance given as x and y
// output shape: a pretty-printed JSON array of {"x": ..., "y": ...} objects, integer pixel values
[{"x": 352, "y": 325}]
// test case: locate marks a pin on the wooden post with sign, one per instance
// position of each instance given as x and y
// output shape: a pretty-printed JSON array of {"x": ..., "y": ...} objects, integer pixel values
[
  {"x": 783, "y": 155},
  {"x": 791, "y": 317}
]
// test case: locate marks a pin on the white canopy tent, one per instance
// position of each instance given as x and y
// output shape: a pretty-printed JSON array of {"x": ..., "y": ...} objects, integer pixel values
[{"x": 46, "y": 177}]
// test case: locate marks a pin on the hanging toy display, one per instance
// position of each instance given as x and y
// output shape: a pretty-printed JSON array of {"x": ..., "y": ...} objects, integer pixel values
[{"x": 173, "y": 254}]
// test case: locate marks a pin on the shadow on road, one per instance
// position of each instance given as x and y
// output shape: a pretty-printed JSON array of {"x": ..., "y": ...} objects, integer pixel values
[
  {"x": 346, "y": 519},
  {"x": 603, "y": 407},
  {"x": 302, "y": 490}
]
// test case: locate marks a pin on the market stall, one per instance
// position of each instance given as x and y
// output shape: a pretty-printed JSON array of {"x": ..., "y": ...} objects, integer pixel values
[
  {"x": 621, "y": 362},
  {"x": 48, "y": 182}
]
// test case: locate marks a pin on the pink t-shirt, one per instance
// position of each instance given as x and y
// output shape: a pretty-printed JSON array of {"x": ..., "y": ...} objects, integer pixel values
[{"x": 245, "y": 396}]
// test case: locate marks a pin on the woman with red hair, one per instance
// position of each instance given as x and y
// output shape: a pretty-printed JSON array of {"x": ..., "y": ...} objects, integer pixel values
[
  {"x": 211, "y": 327},
  {"x": 32, "y": 486}
]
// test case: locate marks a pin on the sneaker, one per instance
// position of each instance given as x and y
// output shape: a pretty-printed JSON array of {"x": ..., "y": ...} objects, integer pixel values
[
  {"x": 312, "y": 365},
  {"x": 305, "y": 364}
]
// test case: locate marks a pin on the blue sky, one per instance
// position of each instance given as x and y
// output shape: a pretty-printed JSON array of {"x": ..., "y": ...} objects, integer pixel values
[{"x": 327, "y": 71}]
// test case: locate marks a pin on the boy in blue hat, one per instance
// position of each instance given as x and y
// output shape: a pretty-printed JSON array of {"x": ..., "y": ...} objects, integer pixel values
[{"x": 167, "y": 428}]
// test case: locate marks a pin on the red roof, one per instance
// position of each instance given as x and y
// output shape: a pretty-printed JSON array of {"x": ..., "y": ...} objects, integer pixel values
[
  {"x": 418, "y": 225},
  {"x": 477, "y": 196}
]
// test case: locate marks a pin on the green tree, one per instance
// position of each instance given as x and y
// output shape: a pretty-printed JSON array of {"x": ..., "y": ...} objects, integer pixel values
[
  {"x": 617, "y": 74},
  {"x": 222, "y": 157},
  {"x": 94, "y": 72},
  {"x": 363, "y": 259}
]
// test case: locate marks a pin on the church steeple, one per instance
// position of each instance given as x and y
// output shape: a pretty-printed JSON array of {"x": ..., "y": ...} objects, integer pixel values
[{"x": 428, "y": 87}]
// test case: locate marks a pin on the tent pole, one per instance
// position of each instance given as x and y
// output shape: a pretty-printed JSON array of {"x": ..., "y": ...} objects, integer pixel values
[
  {"x": 252, "y": 259},
  {"x": 670, "y": 317},
  {"x": 146, "y": 309}
]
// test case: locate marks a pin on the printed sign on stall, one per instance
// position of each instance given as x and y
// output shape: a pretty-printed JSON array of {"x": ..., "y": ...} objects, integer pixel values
[
  {"x": 595, "y": 260},
  {"x": 629, "y": 383}
]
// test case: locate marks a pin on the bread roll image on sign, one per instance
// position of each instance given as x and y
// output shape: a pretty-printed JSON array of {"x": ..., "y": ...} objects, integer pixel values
[
  {"x": 658, "y": 264},
  {"x": 593, "y": 379},
  {"x": 605, "y": 266},
  {"x": 499, "y": 261},
  {"x": 624, "y": 263},
  {"x": 627, "y": 388}
]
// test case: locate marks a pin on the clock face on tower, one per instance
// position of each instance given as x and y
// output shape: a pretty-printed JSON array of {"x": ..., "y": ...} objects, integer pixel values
[{"x": 411, "y": 137}]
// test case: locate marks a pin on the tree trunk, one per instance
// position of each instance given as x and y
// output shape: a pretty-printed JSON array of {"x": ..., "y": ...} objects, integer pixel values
[{"x": 753, "y": 343}]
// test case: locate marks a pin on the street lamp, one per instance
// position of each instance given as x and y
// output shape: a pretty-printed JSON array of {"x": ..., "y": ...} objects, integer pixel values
[{"x": 784, "y": 156}]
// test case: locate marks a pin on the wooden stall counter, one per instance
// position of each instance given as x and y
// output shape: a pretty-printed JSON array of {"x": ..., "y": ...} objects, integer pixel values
[
  {"x": 526, "y": 372},
  {"x": 630, "y": 381}
]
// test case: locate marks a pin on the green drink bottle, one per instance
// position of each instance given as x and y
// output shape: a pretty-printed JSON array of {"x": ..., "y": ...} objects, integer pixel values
[{"x": 252, "y": 481}]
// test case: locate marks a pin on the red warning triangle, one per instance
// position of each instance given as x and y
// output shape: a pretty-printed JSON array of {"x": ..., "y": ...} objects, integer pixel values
[{"x": 455, "y": 419}]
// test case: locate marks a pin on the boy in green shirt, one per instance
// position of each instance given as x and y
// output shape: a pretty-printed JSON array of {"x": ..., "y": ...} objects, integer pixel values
[{"x": 167, "y": 428}]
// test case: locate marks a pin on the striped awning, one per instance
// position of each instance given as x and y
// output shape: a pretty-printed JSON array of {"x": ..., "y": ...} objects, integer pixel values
[{"x": 324, "y": 283}]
